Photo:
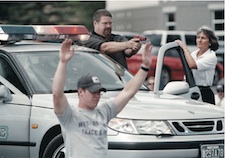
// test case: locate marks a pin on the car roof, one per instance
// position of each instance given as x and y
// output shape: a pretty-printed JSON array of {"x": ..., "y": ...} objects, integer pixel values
[
  {"x": 125, "y": 33},
  {"x": 168, "y": 32},
  {"x": 28, "y": 46}
]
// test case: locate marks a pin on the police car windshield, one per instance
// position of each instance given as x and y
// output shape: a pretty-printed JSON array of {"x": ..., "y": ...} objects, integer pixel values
[{"x": 41, "y": 66}]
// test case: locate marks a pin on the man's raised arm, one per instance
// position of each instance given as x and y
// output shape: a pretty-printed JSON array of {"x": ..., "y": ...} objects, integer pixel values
[
  {"x": 135, "y": 83},
  {"x": 59, "y": 99}
]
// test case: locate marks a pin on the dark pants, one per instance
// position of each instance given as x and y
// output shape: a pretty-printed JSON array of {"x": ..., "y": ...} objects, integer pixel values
[{"x": 207, "y": 94}]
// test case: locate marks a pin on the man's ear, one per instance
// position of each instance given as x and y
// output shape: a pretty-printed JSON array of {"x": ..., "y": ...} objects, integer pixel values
[
  {"x": 95, "y": 22},
  {"x": 80, "y": 91}
]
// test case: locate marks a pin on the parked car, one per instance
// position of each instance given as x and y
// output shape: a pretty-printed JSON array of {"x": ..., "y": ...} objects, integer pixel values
[
  {"x": 172, "y": 67},
  {"x": 128, "y": 34},
  {"x": 159, "y": 123},
  {"x": 160, "y": 37}
]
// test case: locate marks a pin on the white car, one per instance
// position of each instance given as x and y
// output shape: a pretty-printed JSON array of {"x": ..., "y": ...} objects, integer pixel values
[
  {"x": 154, "y": 124},
  {"x": 161, "y": 37},
  {"x": 129, "y": 35}
]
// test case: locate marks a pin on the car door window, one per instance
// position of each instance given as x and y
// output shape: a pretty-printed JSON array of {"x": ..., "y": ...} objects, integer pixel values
[
  {"x": 154, "y": 38},
  {"x": 190, "y": 40},
  {"x": 7, "y": 72},
  {"x": 172, "y": 38}
]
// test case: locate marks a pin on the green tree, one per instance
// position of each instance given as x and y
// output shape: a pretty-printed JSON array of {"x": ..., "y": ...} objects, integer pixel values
[{"x": 77, "y": 12}]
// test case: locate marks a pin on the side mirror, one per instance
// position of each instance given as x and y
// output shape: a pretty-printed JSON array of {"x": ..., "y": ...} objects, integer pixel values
[
  {"x": 5, "y": 94},
  {"x": 176, "y": 87}
]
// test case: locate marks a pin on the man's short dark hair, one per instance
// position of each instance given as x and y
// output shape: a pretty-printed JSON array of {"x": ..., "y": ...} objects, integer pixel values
[{"x": 99, "y": 13}]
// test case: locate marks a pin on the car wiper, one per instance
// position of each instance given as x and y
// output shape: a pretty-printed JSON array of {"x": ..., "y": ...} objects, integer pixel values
[{"x": 70, "y": 91}]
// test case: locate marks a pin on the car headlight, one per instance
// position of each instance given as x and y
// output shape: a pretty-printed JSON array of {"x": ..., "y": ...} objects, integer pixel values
[{"x": 140, "y": 126}]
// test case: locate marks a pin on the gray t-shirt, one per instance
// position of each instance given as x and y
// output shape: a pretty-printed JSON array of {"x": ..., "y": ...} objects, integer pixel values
[{"x": 85, "y": 131}]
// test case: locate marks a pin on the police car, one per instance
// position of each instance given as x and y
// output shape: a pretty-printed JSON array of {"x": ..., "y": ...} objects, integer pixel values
[{"x": 171, "y": 123}]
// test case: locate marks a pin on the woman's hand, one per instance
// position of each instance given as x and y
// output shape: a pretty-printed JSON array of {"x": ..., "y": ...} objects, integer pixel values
[{"x": 181, "y": 44}]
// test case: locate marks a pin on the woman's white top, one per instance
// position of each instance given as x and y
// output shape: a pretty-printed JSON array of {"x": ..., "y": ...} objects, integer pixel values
[{"x": 206, "y": 64}]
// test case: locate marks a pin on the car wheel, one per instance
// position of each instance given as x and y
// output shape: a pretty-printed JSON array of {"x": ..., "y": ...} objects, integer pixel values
[
  {"x": 55, "y": 148},
  {"x": 216, "y": 77},
  {"x": 165, "y": 76}
]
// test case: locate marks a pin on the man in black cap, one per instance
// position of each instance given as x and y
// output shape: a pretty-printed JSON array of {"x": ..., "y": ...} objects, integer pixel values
[{"x": 84, "y": 128}]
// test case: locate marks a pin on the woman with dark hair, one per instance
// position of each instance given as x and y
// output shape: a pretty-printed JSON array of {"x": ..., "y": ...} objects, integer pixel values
[{"x": 203, "y": 61}]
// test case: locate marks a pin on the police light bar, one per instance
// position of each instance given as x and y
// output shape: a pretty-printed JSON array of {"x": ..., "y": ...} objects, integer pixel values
[{"x": 43, "y": 32}]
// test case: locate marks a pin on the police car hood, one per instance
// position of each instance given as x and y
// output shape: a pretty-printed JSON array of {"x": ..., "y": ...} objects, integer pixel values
[{"x": 146, "y": 105}]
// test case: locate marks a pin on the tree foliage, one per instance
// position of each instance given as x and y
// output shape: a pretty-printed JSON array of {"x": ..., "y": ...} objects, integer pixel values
[{"x": 76, "y": 12}]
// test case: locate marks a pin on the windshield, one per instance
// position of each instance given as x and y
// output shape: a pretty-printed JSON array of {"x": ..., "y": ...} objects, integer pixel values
[{"x": 40, "y": 68}]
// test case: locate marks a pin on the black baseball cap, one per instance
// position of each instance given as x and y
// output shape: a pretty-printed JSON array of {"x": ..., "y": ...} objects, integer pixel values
[{"x": 91, "y": 83}]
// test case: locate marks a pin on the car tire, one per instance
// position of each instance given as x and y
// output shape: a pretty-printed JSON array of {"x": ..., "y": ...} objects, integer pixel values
[
  {"x": 54, "y": 148},
  {"x": 165, "y": 76}
]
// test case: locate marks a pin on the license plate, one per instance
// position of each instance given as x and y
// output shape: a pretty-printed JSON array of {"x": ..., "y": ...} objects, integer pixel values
[{"x": 212, "y": 151}]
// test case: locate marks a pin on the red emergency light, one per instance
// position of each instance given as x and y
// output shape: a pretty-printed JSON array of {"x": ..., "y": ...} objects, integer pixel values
[{"x": 43, "y": 32}]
